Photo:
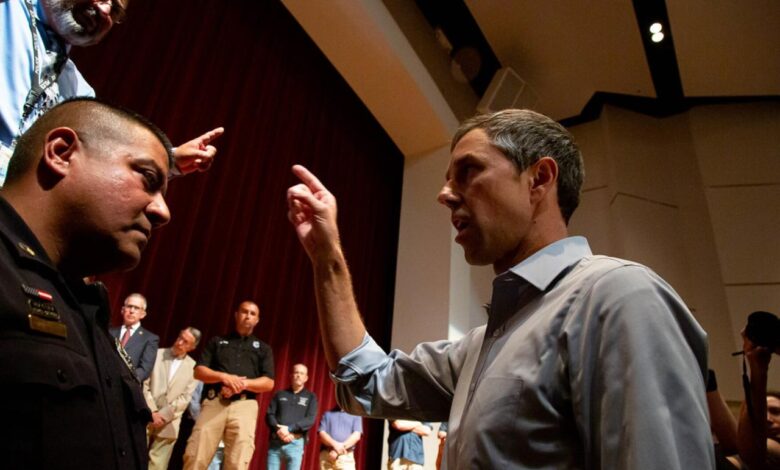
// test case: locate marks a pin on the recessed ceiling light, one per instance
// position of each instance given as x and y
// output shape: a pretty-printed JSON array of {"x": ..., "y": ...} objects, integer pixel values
[
  {"x": 657, "y": 37},
  {"x": 656, "y": 28}
]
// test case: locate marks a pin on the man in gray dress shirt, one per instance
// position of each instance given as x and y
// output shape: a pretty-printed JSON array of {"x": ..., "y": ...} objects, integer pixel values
[{"x": 585, "y": 362}]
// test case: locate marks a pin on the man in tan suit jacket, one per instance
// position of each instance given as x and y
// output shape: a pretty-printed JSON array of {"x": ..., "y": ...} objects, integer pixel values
[{"x": 168, "y": 392}]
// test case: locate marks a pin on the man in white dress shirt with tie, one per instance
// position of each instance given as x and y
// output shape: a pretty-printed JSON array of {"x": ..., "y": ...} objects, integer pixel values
[{"x": 168, "y": 393}]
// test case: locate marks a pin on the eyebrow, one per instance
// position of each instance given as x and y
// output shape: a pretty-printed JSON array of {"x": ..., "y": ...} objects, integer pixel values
[{"x": 459, "y": 161}]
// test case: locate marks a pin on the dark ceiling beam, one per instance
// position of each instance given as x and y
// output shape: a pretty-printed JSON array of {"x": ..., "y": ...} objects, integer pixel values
[
  {"x": 455, "y": 20},
  {"x": 661, "y": 57}
]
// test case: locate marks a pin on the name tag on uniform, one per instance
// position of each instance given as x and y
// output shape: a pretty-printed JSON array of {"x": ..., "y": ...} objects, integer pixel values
[
  {"x": 47, "y": 326},
  {"x": 42, "y": 315}
]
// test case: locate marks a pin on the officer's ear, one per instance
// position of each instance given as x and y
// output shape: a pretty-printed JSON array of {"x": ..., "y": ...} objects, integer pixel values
[{"x": 59, "y": 147}]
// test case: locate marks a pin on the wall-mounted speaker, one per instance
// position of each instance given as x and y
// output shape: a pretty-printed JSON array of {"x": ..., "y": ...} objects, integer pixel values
[{"x": 507, "y": 90}]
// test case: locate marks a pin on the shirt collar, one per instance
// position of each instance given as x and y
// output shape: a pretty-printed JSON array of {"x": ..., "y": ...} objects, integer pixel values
[{"x": 543, "y": 267}]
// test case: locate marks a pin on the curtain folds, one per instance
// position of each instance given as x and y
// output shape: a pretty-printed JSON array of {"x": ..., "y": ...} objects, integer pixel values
[{"x": 248, "y": 66}]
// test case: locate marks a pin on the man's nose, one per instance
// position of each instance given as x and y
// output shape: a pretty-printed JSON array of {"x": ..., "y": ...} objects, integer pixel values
[
  {"x": 448, "y": 197},
  {"x": 104, "y": 6},
  {"x": 158, "y": 211}
]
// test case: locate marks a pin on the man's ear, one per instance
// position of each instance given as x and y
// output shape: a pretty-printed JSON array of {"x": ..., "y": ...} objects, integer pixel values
[
  {"x": 60, "y": 145},
  {"x": 545, "y": 177}
]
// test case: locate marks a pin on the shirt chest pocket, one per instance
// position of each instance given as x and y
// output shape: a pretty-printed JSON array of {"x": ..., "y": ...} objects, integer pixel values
[
  {"x": 27, "y": 360},
  {"x": 32, "y": 353}
]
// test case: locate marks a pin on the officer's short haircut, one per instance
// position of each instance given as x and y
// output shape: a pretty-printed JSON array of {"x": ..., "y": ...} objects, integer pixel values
[{"x": 96, "y": 122}]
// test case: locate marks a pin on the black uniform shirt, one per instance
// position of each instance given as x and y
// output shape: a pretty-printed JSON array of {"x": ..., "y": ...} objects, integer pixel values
[
  {"x": 244, "y": 356},
  {"x": 297, "y": 411},
  {"x": 66, "y": 397}
]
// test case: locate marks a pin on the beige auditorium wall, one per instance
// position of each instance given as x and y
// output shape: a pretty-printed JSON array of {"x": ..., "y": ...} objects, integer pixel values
[{"x": 697, "y": 198}]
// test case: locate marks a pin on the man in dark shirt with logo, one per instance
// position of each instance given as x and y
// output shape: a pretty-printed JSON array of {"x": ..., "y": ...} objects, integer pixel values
[
  {"x": 290, "y": 415},
  {"x": 235, "y": 369}
]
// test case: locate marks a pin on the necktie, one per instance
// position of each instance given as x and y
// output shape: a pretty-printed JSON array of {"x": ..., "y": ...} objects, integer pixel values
[{"x": 125, "y": 337}]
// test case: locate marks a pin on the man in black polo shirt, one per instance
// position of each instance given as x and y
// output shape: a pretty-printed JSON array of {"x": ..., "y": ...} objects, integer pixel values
[
  {"x": 290, "y": 415},
  {"x": 234, "y": 369}
]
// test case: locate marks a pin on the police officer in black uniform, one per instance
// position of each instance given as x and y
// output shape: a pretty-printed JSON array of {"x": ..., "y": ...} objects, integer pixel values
[
  {"x": 234, "y": 369},
  {"x": 84, "y": 190}
]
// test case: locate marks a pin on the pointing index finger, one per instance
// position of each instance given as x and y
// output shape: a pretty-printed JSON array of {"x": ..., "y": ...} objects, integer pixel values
[
  {"x": 212, "y": 134},
  {"x": 308, "y": 178}
]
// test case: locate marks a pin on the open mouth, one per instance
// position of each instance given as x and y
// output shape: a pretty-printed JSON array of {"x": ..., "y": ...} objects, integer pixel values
[
  {"x": 461, "y": 225},
  {"x": 88, "y": 18}
]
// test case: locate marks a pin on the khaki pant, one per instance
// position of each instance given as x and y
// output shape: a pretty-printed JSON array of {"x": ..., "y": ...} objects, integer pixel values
[
  {"x": 403, "y": 464},
  {"x": 160, "y": 450},
  {"x": 344, "y": 462},
  {"x": 233, "y": 422}
]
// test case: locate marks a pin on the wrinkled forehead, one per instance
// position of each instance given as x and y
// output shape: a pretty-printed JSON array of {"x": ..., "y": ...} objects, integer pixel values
[{"x": 135, "y": 300}]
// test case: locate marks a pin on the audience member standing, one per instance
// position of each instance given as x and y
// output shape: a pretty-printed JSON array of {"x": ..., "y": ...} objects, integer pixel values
[
  {"x": 758, "y": 436},
  {"x": 289, "y": 417},
  {"x": 140, "y": 343},
  {"x": 339, "y": 433},
  {"x": 405, "y": 449},
  {"x": 37, "y": 73},
  {"x": 234, "y": 368},
  {"x": 74, "y": 206},
  {"x": 168, "y": 393}
]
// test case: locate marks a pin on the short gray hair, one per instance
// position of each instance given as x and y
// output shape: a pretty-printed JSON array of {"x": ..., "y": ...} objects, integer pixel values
[
  {"x": 524, "y": 137},
  {"x": 195, "y": 333}
]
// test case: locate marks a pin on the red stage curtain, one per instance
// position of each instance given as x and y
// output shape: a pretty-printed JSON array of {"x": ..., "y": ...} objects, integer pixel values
[{"x": 248, "y": 66}]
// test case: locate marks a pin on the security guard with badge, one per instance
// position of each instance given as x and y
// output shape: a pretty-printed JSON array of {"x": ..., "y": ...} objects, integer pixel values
[
  {"x": 235, "y": 369},
  {"x": 67, "y": 397}
]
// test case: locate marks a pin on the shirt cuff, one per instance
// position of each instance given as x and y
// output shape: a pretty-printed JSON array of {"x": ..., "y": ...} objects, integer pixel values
[{"x": 359, "y": 362}]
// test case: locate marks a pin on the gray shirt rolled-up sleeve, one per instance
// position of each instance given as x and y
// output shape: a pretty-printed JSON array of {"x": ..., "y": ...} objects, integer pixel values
[{"x": 370, "y": 382}]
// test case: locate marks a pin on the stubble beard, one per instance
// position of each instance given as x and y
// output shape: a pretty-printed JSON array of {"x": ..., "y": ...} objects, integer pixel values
[{"x": 65, "y": 24}]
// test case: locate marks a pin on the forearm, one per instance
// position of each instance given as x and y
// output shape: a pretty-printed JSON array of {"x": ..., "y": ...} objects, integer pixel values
[
  {"x": 260, "y": 384},
  {"x": 752, "y": 433},
  {"x": 305, "y": 423},
  {"x": 326, "y": 439},
  {"x": 722, "y": 422},
  {"x": 208, "y": 376},
  {"x": 352, "y": 440},
  {"x": 340, "y": 323},
  {"x": 404, "y": 425}
]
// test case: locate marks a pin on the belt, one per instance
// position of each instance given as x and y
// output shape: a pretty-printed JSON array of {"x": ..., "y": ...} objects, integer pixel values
[{"x": 243, "y": 396}]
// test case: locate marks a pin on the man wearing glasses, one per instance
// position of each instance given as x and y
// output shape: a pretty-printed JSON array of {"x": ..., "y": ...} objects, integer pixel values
[
  {"x": 36, "y": 39},
  {"x": 139, "y": 343}
]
